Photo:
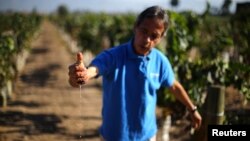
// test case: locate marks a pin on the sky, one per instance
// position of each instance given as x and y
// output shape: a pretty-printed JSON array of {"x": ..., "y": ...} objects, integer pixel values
[{"x": 110, "y": 6}]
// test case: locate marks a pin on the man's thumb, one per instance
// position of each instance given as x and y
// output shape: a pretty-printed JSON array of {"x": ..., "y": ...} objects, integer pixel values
[{"x": 79, "y": 58}]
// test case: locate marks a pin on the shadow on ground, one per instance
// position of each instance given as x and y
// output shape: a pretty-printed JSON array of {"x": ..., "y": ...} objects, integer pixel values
[
  {"x": 38, "y": 124},
  {"x": 24, "y": 104},
  {"x": 40, "y": 76},
  {"x": 31, "y": 123}
]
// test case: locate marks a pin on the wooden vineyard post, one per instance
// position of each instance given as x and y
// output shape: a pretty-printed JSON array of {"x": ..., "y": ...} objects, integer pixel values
[
  {"x": 215, "y": 105},
  {"x": 213, "y": 111}
]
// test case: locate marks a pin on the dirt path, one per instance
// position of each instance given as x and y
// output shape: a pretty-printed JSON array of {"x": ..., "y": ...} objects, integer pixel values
[{"x": 46, "y": 108}]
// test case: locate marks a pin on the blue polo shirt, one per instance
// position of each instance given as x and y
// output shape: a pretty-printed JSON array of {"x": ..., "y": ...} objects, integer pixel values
[{"x": 130, "y": 83}]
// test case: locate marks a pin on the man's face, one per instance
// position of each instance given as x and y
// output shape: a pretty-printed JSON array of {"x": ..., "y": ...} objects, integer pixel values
[{"x": 147, "y": 35}]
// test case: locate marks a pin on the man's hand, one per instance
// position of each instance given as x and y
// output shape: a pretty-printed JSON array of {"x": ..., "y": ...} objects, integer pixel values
[
  {"x": 196, "y": 119},
  {"x": 77, "y": 72}
]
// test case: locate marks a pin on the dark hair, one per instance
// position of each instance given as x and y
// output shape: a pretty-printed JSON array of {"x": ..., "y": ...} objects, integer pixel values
[{"x": 153, "y": 12}]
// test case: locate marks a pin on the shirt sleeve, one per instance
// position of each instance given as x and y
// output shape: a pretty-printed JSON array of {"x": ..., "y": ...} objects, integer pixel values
[{"x": 168, "y": 76}]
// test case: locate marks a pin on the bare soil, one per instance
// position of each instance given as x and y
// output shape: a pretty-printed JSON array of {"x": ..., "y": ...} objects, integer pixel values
[{"x": 46, "y": 108}]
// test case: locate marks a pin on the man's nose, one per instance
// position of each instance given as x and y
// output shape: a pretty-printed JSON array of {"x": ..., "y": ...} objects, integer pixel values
[{"x": 147, "y": 38}]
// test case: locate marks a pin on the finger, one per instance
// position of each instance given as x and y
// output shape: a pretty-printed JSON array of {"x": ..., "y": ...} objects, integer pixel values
[
  {"x": 73, "y": 80},
  {"x": 72, "y": 72},
  {"x": 194, "y": 125},
  {"x": 79, "y": 74},
  {"x": 197, "y": 125},
  {"x": 79, "y": 58},
  {"x": 73, "y": 77},
  {"x": 80, "y": 81},
  {"x": 75, "y": 69},
  {"x": 75, "y": 74},
  {"x": 80, "y": 68},
  {"x": 72, "y": 67}
]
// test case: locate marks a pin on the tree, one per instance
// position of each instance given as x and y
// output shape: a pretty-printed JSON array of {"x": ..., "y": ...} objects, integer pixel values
[
  {"x": 225, "y": 7},
  {"x": 174, "y": 3},
  {"x": 62, "y": 10}
]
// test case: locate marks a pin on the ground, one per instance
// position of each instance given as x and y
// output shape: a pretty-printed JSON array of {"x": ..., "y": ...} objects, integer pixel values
[{"x": 46, "y": 108}]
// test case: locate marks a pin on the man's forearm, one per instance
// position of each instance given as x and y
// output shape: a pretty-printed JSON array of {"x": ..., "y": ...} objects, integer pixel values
[
  {"x": 181, "y": 95},
  {"x": 92, "y": 72}
]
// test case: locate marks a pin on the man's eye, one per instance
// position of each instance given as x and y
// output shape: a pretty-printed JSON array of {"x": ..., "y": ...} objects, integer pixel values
[{"x": 153, "y": 37}]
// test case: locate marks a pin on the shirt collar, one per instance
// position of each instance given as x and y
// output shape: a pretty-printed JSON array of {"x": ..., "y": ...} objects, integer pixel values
[{"x": 131, "y": 53}]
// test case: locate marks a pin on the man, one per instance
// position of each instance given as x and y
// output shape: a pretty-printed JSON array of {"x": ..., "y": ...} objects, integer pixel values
[{"x": 132, "y": 73}]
